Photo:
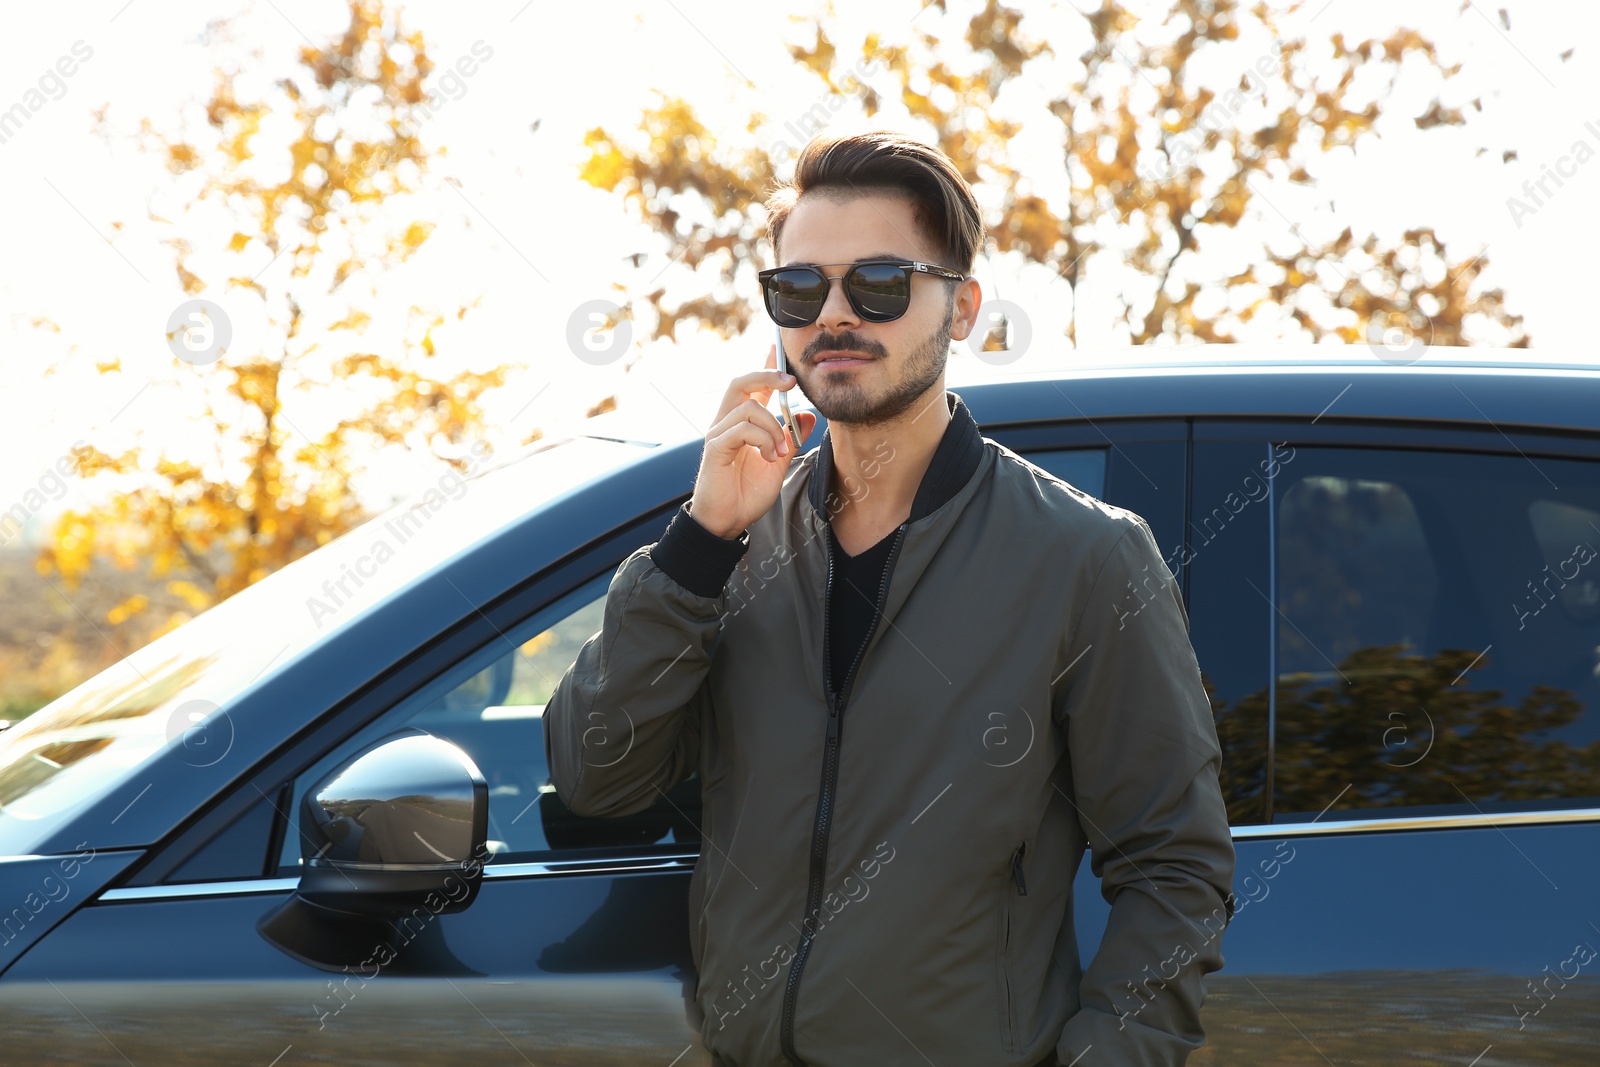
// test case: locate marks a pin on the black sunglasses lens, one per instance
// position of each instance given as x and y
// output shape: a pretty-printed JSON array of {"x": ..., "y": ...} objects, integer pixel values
[
  {"x": 795, "y": 297},
  {"x": 879, "y": 291}
]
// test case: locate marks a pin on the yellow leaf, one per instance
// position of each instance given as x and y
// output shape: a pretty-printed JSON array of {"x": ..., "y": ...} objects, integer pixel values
[
  {"x": 126, "y": 609},
  {"x": 192, "y": 594},
  {"x": 417, "y": 233},
  {"x": 356, "y": 320},
  {"x": 191, "y": 282}
]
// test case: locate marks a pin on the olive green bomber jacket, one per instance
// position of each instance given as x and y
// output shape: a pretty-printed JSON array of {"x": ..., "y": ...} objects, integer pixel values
[{"x": 887, "y": 876}]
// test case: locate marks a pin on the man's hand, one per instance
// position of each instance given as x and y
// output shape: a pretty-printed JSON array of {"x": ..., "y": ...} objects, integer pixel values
[{"x": 746, "y": 455}]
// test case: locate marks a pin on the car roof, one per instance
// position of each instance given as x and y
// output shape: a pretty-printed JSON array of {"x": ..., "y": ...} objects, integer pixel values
[
  {"x": 1290, "y": 356},
  {"x": 1228, "y": 380}
]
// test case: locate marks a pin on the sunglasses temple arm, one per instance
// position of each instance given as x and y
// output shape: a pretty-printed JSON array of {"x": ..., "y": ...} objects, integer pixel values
[{"x": 789, "y": 426}]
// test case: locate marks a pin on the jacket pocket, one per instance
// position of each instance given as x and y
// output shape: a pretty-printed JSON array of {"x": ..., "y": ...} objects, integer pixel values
[{"x": 1013, "y": 887}]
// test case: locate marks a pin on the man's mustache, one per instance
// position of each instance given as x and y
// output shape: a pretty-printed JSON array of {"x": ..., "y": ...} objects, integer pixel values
[{"x": 844, "y": 342}]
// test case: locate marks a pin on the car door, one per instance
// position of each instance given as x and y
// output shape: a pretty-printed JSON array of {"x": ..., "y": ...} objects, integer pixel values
[
  {"x": 575, "y": 950},
  {"x": 1401, "y": 628}
]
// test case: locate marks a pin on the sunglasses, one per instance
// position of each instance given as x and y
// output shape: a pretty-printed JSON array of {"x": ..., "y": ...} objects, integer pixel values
[{"x": 878, "y": 289}]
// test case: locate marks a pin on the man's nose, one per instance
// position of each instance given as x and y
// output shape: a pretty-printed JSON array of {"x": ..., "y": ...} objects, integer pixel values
[{"x": 837, "y": 314}]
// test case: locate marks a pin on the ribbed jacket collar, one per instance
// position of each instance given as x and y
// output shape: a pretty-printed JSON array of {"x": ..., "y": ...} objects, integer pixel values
[{"x": 954, "y": 461}]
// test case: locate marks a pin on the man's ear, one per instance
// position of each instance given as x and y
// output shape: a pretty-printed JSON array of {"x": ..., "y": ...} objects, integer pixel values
[{"x": 969, "y": 297}]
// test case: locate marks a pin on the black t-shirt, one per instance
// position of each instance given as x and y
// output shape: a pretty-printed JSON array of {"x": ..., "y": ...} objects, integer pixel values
[
  {"x": 853, "y": 602},
  {"x": 701, "y": 561}
]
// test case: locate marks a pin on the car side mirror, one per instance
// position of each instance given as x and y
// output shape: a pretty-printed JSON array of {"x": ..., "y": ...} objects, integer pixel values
[{"x": 392, "y": 838}]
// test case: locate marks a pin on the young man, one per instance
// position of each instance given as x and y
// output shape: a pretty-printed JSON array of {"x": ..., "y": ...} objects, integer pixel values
[{"x": 905, "y": 668}]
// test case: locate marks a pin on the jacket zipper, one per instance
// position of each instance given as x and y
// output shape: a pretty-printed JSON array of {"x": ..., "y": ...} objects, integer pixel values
[
  {"x": 830, "y": 780},
  {"x": 1005, "y": 953}
]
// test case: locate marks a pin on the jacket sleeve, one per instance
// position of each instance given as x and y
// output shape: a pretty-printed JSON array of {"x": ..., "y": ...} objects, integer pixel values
[
  {"x": 623, "y": 724},
  {"x": 1145, "y": 760}
]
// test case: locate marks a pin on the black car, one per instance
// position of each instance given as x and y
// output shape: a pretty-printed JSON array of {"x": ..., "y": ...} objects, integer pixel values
[{"x": 314, "y": 824}]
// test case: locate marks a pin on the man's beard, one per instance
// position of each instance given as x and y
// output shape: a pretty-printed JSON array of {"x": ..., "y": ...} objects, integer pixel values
[{"x": 848, "y": 403}]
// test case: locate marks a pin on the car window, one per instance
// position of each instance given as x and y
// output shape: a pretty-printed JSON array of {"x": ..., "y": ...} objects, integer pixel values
[
  {"x": 1438, "y": 632},
  {"x": 1225, "y": 554},
  {"x": 491, "y": 706},
  {"x": 1082, "y": 467}
]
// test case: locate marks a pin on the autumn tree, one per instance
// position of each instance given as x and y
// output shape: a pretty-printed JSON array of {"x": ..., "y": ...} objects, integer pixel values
[
  {"x": 316, "y": 217},
  {"x": 1172, "y": 129}
]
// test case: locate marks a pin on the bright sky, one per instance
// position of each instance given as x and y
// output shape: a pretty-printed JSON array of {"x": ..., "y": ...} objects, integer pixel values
[{"x": 517, "y": 228}]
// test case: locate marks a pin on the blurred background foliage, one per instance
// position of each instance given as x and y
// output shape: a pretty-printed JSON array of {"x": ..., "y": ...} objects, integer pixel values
[
  {"x": 1159, "y": 195},
  {"x": 339, "y": 210},
  {"x": 1160, "y": 160}
]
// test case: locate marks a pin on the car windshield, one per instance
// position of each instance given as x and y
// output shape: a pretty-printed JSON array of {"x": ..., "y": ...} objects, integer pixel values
[{"x": 91, "y": 739}]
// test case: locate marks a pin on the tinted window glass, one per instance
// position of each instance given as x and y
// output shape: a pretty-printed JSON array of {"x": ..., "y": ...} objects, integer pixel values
[
  {"x": 1225, "y": 551},
  {"x": 1438, "y": 634},
  {"x": 239, "y": 851},
  {"x": 491, "y": 706},
  {"x": 1084, "y": 468},
  {"x": 1353, "y": 571}
]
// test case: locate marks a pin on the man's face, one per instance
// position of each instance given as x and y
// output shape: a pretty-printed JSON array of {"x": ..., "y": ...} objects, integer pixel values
[{"x": 896, "y": 366}]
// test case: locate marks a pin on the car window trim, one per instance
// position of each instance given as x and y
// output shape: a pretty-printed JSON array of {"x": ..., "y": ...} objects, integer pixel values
[
  {"x": 1492, "y": 820},
  {"x": 493, "y": 872}
]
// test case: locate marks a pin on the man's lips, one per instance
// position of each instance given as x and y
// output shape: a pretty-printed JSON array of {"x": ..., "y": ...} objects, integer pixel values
[{"x": 848, "y": 356}]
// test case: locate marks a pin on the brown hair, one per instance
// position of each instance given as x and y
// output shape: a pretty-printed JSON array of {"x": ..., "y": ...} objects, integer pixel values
[{"x": 886, "y": 162}]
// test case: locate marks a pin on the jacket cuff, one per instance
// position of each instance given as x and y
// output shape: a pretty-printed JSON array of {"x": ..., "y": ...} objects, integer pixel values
[{"x": 696, "y": 558}]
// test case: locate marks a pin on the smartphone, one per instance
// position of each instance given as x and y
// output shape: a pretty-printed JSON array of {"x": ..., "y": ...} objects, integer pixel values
[{"x": 789, "y": 425}]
